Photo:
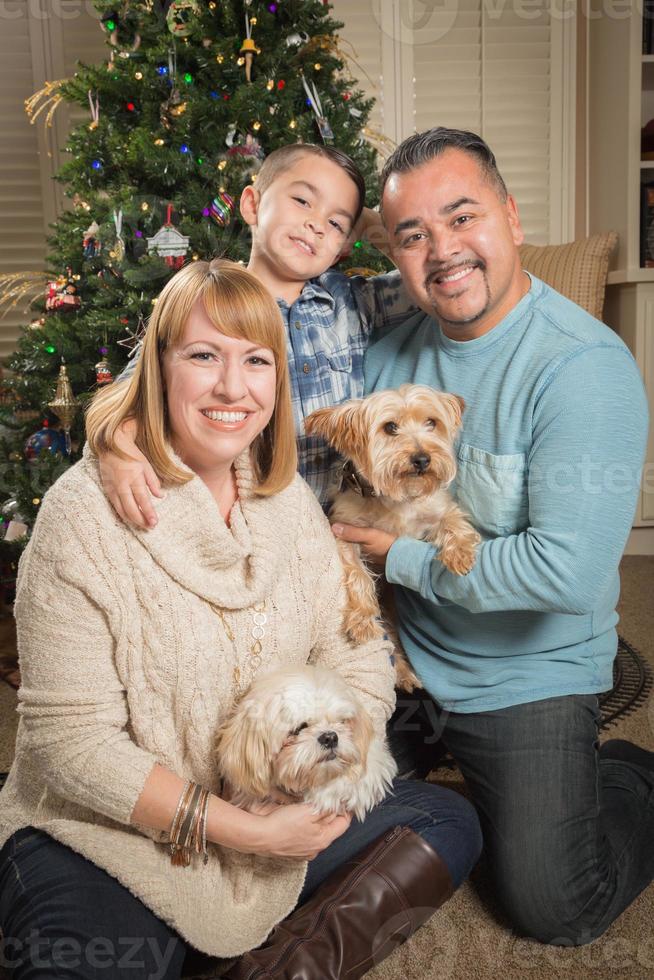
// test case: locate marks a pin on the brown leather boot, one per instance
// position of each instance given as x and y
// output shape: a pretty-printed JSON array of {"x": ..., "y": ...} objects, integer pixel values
[{"x": 359, "y": 915}]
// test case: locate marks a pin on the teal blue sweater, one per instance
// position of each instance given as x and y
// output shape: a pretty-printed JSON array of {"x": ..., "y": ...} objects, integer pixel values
[{"x": 549, "y": 459}]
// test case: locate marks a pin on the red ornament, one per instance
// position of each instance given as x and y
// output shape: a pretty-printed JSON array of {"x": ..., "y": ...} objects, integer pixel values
[
  {"x": 347, "y": 96},
  {"x": 103, "y": 374},
  {"x": 281, "y": 84},
  {"x": 61, "y": 294},
  {"x": 131, "y": 107},
  {"x": 225, "y": 96}
]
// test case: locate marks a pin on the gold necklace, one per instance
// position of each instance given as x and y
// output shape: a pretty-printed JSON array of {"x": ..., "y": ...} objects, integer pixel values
[{"x": 257, "y": 632}]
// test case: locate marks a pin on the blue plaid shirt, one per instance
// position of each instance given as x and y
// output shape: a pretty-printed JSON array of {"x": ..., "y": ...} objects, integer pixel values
[{"x": 328, "y": 329}]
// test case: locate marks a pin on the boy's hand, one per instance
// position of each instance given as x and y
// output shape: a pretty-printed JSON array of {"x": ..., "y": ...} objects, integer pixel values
[{"x": 128, "y": 483}]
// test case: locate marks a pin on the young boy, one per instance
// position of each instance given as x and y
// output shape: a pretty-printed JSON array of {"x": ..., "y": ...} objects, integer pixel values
[{"x": 302, "y": 211}]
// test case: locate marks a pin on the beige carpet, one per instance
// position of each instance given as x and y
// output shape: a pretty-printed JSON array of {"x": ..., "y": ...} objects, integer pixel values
[{"x": 467, "y": 939}]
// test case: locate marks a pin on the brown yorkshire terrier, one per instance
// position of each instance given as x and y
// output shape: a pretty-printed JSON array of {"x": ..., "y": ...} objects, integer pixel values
[{"x": 400, "y": 460}]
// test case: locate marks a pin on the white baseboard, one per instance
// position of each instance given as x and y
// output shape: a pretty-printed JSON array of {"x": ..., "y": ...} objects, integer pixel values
[{"x": 641, "y": 541}]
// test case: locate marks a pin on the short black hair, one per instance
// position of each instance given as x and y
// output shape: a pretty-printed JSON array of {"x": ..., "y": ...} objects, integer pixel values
[
  {"x": 283, "y": 157},
  {"x": 422, "y": 147}
]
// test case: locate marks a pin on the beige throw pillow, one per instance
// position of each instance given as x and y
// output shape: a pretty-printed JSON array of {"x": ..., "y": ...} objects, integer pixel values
[{"x": 578, "y": 270}]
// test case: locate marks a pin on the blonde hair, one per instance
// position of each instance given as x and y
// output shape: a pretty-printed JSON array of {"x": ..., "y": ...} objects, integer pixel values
[{"x": 238, "y": 305}]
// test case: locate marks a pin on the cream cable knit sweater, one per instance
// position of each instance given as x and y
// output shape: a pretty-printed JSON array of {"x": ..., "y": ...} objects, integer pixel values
[{"x": 126, "y": 662}]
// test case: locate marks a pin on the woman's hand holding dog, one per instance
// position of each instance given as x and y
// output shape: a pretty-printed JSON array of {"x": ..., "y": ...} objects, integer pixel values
[{"x": 295, "y": 831}]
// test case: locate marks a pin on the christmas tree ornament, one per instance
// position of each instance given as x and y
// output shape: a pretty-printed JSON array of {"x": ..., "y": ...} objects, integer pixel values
[
  {"x": 179, "y": 18},
  {"x": 248, "y": 152},
  {"x": 14, "y": 523},
  {"x": 46, "y": 438},
  {"x": 169, "y": 243},
  {"x": 37, "y": 324},
  {"x": 61, "y": 294},
  {"x": 16, "y": 286},
  {"x": 313, "y": 99},
  {"x": 297, "y": 38},
  {"x": 10, "y": 510},
  {"x": 109, "y": 22},
  {"x": 248, "y": 49},
  {"x": 94, "y": 104},
  {"x": 134, "y": 337},
  {"x": 103, "y": 375},
  {"x": 221, "y": 209},
  {"x": 174, "y": 105},
  {"x": 48, "y": 99},
  {"x": 112, "y": 25},
  {"x": 118, "y": 249},
  {"x": 64, "y": 404},
  {"x": 91, "y": 245}
]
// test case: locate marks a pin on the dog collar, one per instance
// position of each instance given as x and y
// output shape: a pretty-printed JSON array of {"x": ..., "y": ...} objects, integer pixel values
[{"x": 351, "y": 480}]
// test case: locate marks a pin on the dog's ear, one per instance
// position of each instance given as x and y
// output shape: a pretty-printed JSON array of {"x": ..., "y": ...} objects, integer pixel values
[
  {"x": 456, "y": 407},
  {"x": 244, "y": 749},
  {"x": 342, "y": 426},
  {"x": 362, "y": 734}
]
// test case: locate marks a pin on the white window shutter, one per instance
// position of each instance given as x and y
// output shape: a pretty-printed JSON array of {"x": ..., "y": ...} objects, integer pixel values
[
  {"x": 22, "y": 235},
  {"x": 447, "y": 65},
  {"x": 361, "y": 41},
  {"x": 485, "y": 66},
  {"x": 482, "y": 67},
  {"x": 33, "y": 50},
  {"x": 516, "y": 111}
]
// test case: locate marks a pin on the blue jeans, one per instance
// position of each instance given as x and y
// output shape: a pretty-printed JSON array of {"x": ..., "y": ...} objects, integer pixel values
[
  {"x": 63, "y": 917},
  {"x": 569, "y": 835}
]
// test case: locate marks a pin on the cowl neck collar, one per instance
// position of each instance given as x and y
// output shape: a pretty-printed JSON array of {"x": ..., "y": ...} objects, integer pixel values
[{"x": 232, "y": 567}]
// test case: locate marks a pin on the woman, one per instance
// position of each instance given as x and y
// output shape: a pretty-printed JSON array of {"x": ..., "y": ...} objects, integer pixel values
[{"x": 135, "y": 643}]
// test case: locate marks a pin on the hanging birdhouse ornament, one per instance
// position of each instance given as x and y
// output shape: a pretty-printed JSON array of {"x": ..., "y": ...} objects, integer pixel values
[
  {"x": 169, "y": 243},
  {"x": 248, "y": 49},
  {"x": 180, "y": 17}
]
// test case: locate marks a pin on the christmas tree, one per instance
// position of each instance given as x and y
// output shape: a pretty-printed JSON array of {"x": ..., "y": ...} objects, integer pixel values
[{"x": 191, "y": 98}]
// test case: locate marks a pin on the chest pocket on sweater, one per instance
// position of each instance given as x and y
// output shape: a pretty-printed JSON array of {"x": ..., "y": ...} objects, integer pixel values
[{"x": 493, "y": 490}]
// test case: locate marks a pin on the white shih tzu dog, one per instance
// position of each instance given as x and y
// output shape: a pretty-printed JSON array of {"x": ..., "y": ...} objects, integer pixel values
[{"x": 302, "y": 732}]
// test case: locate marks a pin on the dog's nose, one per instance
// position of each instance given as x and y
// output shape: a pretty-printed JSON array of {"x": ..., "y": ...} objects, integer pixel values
[
  {"x": 420, "y": 462},
  {"x": 329, "y": 740}
]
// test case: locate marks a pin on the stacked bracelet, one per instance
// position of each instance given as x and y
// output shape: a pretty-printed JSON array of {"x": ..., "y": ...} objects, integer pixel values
[{"x": 188, "y": 831}]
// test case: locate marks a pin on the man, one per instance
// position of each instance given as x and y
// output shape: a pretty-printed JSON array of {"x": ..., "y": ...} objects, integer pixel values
[{"x": 514, "y": 654}]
